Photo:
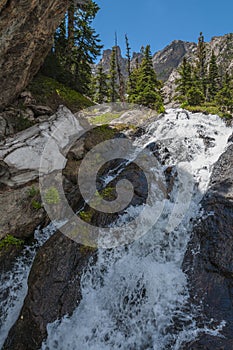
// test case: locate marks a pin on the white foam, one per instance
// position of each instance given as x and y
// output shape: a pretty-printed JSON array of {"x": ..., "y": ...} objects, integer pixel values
[
  {"x": 14, "y": 283},
  {"x": 133, "y": 294}
]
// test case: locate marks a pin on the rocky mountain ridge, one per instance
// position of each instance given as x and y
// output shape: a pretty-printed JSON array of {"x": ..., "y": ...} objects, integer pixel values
[{"x": 167, "y": 60}]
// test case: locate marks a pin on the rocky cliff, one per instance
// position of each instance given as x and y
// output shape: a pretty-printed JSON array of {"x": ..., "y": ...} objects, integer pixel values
[
  {"x": 26, "y": 35},
  {"x": 167, "y": 61}
]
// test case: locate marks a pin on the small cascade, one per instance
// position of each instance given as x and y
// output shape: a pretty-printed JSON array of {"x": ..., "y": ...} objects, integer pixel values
[{"x": 136, "y": 296}]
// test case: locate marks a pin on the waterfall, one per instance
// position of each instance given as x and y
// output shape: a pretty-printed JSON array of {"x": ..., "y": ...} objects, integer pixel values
[
  {"x": 13, "y": 284},
  {"x": 136, "y": 297}
]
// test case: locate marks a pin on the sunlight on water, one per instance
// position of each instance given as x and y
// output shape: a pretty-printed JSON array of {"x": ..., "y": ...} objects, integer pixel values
[{"x": 136, "y": 296}]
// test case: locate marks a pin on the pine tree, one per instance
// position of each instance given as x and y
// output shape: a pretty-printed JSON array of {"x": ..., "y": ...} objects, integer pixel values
[
  {"x": 113, "y": 88},
  {"x": 76, "y": 46},
  {"x": 148, "y": 87},
  {"x": 60, "y": 41},
  {"x": 201, "y": 71},
  {"x": 132, "y": 85},
  {"x": 213, "y": 78},
  {"x": 224, "y": 97},
  {"x": 128, "y": 56},
  {"x": 87, "y": 45},
  {"x": 195, "y": 96},
  {"x": 184, "y": 82},
  {"x": 71, "y": 19},
  {"x": 101, "y": 86},
  {"x": 119, "y": 73}
]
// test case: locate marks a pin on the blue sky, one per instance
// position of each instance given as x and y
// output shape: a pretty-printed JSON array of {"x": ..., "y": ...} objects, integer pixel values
[{"x": 158, "y": 22}]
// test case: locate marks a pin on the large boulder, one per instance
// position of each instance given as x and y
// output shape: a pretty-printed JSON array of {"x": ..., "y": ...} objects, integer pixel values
[
  {"x": 21, "y": 209},
  {"x": 26, "y": 32},
  {"x": 209, "y": 259},
  {"x": 54, "y": 291}
]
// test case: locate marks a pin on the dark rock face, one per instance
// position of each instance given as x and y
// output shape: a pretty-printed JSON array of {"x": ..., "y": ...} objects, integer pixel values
[
  {"x": 210, "y": 269},
  {"x": 26, "y": 31},
  {"x": 54, "y": 291}
]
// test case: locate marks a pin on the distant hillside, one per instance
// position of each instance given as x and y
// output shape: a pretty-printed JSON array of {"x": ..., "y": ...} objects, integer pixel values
[{"x": 166, "y": 61}]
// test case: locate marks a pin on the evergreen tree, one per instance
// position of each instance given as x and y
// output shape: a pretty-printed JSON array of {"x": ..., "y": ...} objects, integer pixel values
[
  {"x": 184, "y": 82},
  {"x": 201, "y": 71},
  {"x": 132, "y": 85},
  {"x": 76, "y": 46},
  {"x": 113, "y": 88},
  {"x": 213, "y": 78},
  {"x": 71, "y": 25},
  {"x": 128, "y": 56},
  {"x": 224, "y": 97},
  {"x": 60, "y": 42},
  {"x": 101, "y": 86},
  {"x": 119, "y": 73},
  {"x": 87, "y": 45},
  {"x": 148, "y": 87},
  {"x": 195, "y": 96}
]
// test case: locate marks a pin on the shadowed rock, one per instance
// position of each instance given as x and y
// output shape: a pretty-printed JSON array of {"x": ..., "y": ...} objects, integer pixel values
[
  {"x": 26, "y": 31},
  {"x": 209, "y": 258},
  {"x": 54, "y": 291}
]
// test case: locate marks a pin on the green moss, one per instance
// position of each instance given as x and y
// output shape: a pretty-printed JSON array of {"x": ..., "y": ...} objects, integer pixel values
[
  {"x": 52, "y": 196},
  {"x": 104, "y": 118},
  {"x": 32, "y": 192},
  {"x": 36, "y": 205},
  {"x": 50, "y": 92},
  {"x": 104, "y": 131},
  {"x": 10, "y": 240},
  {"x": 109, "y": 193},
  {"x": 85, "y": 215}
]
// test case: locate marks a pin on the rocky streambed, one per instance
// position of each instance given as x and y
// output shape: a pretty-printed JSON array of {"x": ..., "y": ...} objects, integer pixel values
[{"x": 169, "y": 288}]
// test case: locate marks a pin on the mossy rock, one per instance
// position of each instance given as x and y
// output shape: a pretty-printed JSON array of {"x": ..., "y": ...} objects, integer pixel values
[
  {"x": 50, "y": 92},
  {"x": 208, "y": 109},
  {"x": 99, "y": 134},
  {"x": 104, "y": 118},
  {"x": 10, "y": 240}
]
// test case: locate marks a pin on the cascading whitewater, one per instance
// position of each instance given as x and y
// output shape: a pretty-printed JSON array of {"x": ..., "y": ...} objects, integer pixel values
[
  {"x": 14, "y": 282},
  {"x": 136, "y": 296}
]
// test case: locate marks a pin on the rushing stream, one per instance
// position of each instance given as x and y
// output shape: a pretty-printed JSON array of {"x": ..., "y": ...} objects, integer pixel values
[
  {"x": 136, "y": 297},
  {"x": 14, "y": 283}
]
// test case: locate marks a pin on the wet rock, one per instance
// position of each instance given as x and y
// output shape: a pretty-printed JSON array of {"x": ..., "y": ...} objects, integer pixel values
[
  {"x": 207, "y": 342},
  {"x": 230, "y": 138},
  {"x": 170, "y": 176},
  {"x": 54, "y": 291},
  {"x": 209, "y": 258}
]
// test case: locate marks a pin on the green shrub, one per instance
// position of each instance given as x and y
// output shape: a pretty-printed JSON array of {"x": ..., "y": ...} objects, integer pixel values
[
  {"x": 207, "y": 108},
  {"x": 10, "y": 240},
  {"x": 32, "y": 192},
  {"x": 85, "y": 215},
  {"x": 36, "y": 205}
]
